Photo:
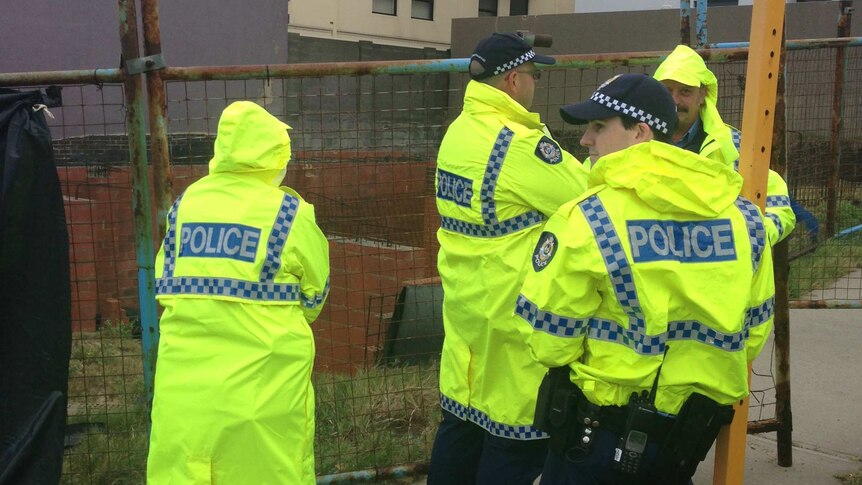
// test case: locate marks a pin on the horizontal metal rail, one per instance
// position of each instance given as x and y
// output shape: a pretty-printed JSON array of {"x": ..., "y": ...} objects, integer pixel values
[{"x": 716, "y": 52}]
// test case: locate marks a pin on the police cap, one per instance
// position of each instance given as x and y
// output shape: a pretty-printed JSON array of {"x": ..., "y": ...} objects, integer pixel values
[
  {"x": 637, "y": 96},
  {"x": 500, "y": 52}
]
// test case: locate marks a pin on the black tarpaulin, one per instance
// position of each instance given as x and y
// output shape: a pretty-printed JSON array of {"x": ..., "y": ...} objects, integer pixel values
[{"x": 35, "y": 307}]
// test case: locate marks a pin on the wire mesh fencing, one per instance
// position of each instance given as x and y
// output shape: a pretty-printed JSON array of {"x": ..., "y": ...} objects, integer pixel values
[{"x": 364, "y": 155}]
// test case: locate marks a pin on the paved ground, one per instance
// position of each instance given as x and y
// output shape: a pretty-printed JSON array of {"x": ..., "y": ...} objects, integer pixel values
[{"x": 826, "y": 398}]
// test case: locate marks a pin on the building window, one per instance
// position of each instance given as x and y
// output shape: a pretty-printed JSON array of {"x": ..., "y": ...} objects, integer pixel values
[
  {"x": 721, "y": 3},
  {"x": 385, "y": 7},
  {"x": 488, "y": 8},
  {"x": 423, "y": 9},
  {"x": 518, "y": 7}
]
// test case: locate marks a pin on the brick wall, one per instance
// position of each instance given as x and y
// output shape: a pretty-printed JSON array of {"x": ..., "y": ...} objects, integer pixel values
[{"x": 378, "y": 212}]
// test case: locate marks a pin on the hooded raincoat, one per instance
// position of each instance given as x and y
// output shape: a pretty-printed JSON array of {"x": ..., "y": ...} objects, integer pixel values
[
  {"x": 660, "y": 252},
  {"x": 242, "y": 273},
  {"x": 721, "y": 143},
  {"x": 499, "y": 176}
]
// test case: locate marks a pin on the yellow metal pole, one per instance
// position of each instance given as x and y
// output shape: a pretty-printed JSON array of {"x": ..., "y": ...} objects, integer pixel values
[{"x": 758, "y": 117}]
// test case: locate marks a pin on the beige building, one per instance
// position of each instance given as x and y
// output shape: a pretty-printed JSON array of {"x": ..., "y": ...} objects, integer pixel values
[{"x": 407, "y": 23}]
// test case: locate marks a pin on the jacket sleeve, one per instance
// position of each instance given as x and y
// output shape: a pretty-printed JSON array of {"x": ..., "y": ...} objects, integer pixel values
[
  {"x": 761, "y": 308},
  {"x": 560, "y": 292},
  {"x": 539, "y": 181},
  {"x": 308, "y": 259},
  {"x": 780, "y": 219}
]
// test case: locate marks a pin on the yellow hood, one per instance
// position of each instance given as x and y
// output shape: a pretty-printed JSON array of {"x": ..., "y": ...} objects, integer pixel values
[
  {"x": 250, "y": 139},
  {"x": 669, "y": 179},
  {"x": 685, "y": 66}
]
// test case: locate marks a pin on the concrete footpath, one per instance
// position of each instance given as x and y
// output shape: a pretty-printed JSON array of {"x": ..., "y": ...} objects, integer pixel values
[
  {"x": 826, "y": 398},
  {"x": 826, "y": 402}
]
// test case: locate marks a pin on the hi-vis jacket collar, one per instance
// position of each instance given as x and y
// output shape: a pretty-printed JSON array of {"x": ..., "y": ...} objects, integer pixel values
[
  {"x": 685, "y": 66},
  {"x": 250, "y": 139},
  {"x": 480, "y": 97},
  {"x": 670, "y": 179}
]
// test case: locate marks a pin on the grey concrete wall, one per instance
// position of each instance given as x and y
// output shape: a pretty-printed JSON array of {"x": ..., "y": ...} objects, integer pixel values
[
  {"x": 47, "y": 35},
  {"x": 647, "y": 30}
]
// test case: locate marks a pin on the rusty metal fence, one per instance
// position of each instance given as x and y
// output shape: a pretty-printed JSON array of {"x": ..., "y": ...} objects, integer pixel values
[{"x": 365, "y": 138}]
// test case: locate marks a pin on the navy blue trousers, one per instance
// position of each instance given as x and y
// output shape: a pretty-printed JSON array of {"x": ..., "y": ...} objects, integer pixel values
[{"x": 465, "y": 454}]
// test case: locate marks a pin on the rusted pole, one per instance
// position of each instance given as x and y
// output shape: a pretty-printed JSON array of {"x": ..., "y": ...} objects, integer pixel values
[
  {"x": 781, "y": 265},
  {"x": 162, "y": 181},
  {"x": 701, "y": 23},
  {"x": 685, "y": 22},
  {"x": 846, "y": 8},
  {"x": 134, "y": 99}
]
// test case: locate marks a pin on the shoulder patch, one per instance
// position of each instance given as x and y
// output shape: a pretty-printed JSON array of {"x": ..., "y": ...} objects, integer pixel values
[
  {"x": 549, "y": 151},
  {"x": 545, "y": 250}
]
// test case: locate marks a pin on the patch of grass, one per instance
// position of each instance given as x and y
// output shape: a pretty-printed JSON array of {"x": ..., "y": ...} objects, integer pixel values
[
  {"x": 106, "y": 407},
  {"x": 112, "y": 451},
  {"x": 378, "y": 417},
  {"x": 853, "y": 478},
  {"x": 831, "y": 260}
]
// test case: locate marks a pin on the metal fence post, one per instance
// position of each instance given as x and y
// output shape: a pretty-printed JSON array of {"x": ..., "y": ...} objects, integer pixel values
[
  {"x": 134, "y": 105},
  {"x": 846, "y": 9},
  {"x": 685, "y": 22},
  {"x": 157, "y": 104},
  {"x": 758, "y": 118}
]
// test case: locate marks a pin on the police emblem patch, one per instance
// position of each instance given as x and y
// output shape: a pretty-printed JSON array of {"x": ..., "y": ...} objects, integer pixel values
[
  {"x": 545, "y": 250},
  {"x": 549, "y": 151}
]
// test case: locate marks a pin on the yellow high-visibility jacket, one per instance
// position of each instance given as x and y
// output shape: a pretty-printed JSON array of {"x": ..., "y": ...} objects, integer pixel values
[
  {"x": 500, "y": 174},
  {"x": 241, "y": 274},
  {"x": 660, "y": 251},
  {"x": 721, "y": 143}
]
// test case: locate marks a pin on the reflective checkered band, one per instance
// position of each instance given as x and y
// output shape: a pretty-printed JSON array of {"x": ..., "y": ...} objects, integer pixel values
[
  {"x": 756, "y": 231},
  {"x": 777, "y": 222},
  {"x": 736, "y": 136},
  {"x": 694, "y": 330},
  {"x": 760, "y": 314},
  {"x": 615, "y": 258},
  {"x": 515, "y": 224},
  {"x": 777, "y": 201},
  {"x": 170, "y": 242},
  {"x": 610, "y": 331},
  {"x": 315, "y": 301},
  {"x": 631, "y": 111},
  {"x": 277, "y": 237},
  {"x": 497, "y": 429},
  {"x": 247, "y": 290},
  {"x": 549, "y": 322},
  {"x": 515, "y": 62},
  {"x": 492, "y": 173},
  {"x": 635, "y": 339}
]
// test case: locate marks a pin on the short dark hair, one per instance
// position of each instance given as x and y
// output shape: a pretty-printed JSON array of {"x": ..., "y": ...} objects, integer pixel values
[{"x": 629, "y": 123}]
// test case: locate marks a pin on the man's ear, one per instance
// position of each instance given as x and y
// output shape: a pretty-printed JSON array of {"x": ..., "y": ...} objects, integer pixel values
[{"x": 644, "y": 132}]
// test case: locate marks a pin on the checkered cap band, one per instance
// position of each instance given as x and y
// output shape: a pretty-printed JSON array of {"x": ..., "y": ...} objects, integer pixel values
[
  {"x": 630, "y": 111},
  {"x": 515, "y": 62}
]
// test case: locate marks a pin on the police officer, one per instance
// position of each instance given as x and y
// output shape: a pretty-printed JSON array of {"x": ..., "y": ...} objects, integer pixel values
[
  {"x": 500, "y": 174},
  {"x": 700, "y": 129},
  {"x": 652, "y": 291},
  {"x": 242, "y": 273}
]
